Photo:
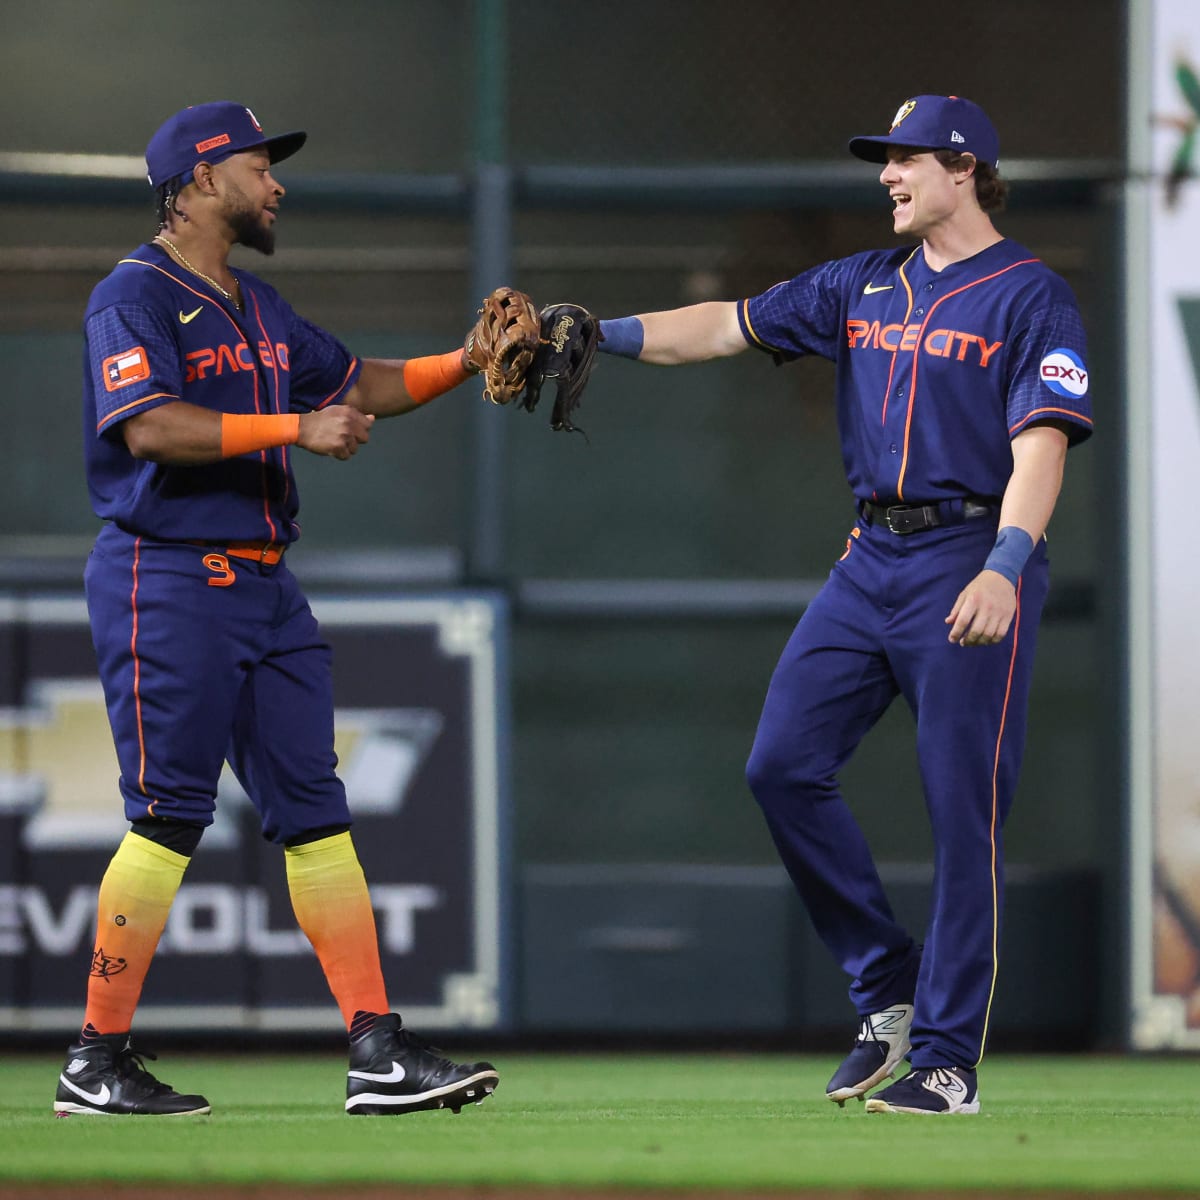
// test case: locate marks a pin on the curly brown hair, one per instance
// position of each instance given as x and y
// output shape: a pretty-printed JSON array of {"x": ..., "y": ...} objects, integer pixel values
[{"x": 990, "y": 190}]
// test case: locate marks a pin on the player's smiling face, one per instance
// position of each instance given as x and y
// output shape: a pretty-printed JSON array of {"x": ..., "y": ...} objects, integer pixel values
[
  {"x": 924, "y": 194},
  {"x": 251, "y": 199}
]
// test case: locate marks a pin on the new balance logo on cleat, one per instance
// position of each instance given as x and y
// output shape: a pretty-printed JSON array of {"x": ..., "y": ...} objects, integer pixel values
[
  {"x": 879, "y": 1049},
  {"x": 929, "y": 1091},
  {"x": 394, "y": 1071},
  {"x": 106, "y": 1077}
]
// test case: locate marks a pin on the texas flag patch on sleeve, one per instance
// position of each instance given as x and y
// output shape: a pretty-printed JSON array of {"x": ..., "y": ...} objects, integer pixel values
[{"x": 130, "y": 366}]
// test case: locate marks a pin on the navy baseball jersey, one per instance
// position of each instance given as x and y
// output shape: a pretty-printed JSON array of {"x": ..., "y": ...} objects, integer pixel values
[
  {"x": 154, "y": 334},
  {"x": 205, "y": 655},
  {"x": 937, "y": 370}
]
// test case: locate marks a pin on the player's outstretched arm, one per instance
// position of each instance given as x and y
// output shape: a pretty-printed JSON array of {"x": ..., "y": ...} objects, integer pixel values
[
  {"x": 680, "y": 335},
  {"x": 984, "y": 610},
  {"x": 390, "y": 387},
  {"x": 500, "y": 347}
]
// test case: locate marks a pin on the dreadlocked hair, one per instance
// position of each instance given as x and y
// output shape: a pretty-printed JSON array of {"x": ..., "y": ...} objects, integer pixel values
[{"x": 164, "y": 200}]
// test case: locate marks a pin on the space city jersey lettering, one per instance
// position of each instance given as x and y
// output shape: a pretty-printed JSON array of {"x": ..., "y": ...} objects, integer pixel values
[
  {"x": 943, "y": 343},
  {"x": 215, "y": 360},
  {"x": 937, "y": 370}
]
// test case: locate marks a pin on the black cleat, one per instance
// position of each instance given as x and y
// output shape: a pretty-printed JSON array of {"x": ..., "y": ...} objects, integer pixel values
[
  {"x": 105, "y": 1076},
  {"x": 394, "y": 1071}
]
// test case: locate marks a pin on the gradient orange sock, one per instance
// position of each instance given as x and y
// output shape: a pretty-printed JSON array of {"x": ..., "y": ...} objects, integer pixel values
[
  {"x": 333, "y": 907},
  {"x": 136, "y": 894}
]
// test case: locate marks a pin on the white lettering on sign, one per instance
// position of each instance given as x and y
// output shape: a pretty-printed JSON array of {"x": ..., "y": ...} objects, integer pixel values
[{"x": 206, "y": 919}]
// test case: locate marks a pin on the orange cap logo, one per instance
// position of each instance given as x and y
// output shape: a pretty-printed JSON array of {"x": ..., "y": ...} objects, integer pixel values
[{"x": 222, "y": 139}]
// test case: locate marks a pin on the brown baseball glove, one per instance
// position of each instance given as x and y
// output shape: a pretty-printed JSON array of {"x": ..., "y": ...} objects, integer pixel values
[{"x": 502, "y": 344}]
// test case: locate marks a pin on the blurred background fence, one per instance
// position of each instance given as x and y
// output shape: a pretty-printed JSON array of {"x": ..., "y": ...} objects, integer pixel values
[{"x": 630, "y": 156}]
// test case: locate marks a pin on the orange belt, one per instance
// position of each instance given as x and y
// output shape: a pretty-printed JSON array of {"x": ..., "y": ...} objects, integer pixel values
[{"x": 267, "y": 553}]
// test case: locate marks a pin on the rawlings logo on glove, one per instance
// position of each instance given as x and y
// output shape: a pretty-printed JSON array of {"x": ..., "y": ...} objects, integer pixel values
[{"x": 566, "y": 354}]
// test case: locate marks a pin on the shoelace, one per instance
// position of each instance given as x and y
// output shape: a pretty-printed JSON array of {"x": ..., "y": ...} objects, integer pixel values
[
  {"x": 412, "y": 1041},
  {"x": 131, "y": 1065},
  {"x": 917, "y": 1077},
  {"x": 866, "y": 1032},
  {"x": 946, "y": 1078}
]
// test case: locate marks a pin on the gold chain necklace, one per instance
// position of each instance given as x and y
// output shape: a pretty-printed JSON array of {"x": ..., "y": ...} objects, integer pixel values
[{"x": 175, "y": 250}]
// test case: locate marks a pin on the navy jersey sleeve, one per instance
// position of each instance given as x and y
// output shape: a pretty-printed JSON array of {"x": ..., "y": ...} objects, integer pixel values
[
  {"x": 133, "y": 361},
  {"x": 322, "y": 369},
  {"x": 1048, "y": 374},
  {"x": 802, "y": 315}
]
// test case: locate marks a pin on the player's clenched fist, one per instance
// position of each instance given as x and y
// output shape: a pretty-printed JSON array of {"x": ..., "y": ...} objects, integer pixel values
[
  {"x": 983, "y": 611},
  {"x": 337, "y": 431}
]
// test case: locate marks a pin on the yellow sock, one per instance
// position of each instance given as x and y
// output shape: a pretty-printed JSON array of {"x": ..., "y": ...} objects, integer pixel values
[
  {"x": 333, "y": 907},
  {"x": 135, "y": 898}
]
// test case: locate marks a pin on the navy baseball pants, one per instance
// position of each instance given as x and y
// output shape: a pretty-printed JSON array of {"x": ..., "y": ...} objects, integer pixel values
[
  {"x": 205, "y": 657},
  {"x": 877, "y": 629}
]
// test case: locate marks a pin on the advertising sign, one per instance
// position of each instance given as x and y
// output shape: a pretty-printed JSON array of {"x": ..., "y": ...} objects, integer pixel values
[
  {"x": 418, "y": 716},
  {"x": 1163, "y": 437}
]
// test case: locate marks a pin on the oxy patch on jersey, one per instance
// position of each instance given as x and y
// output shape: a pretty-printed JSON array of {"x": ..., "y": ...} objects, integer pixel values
[{"x": 1063, "y": 372}]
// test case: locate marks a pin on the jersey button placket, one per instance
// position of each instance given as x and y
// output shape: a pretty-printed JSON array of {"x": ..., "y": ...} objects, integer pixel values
[
  {"x": 893, "y": 448},
  {"x": 893, "y": 433}
]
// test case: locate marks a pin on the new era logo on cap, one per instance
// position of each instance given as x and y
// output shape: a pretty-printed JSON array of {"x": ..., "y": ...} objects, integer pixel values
[
  {"x": 935, "y": 123},
  {"x": 211, "y": 133}
]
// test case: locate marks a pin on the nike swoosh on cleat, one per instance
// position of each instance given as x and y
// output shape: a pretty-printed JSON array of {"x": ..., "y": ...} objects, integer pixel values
[
  {"x": 396, "y": 1074},
  {"x": 190, "y": 316},
  {"x": 871, "y": 289},
  {"x": 100, "y": 1098}
]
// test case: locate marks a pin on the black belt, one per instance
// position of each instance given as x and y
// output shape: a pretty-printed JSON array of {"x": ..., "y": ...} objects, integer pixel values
[{"x": 912, "y": 518}]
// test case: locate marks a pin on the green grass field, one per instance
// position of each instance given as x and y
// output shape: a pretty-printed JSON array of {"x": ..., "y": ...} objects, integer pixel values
[{"x": 684, "y": 1121}]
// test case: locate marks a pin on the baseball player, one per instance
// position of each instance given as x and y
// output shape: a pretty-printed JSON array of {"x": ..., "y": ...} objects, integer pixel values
[
  {"x": 200, "y": 383},
  {"x": 961, "y": 382}
]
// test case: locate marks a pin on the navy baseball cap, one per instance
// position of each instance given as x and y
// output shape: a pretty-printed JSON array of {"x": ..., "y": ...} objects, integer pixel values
[
  {"x": 935, "y": 123},
  {"x": 211, "y": 133}
]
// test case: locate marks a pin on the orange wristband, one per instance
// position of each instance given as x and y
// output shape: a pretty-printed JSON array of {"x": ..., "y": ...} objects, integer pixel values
[
  {"x": 243, "y": 433},
  {"x": 425, "y": 378}
]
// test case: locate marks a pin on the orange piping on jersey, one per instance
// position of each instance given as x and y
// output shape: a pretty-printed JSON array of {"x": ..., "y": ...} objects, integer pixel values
[
  {"x": 274, "y": 365},
  {"x": 1012, "y": 663},
  {"x": 112, "y": 416},
  {"x": 241, "y": 334},
  {"x": 338, "y": 390},
  {"x": 263, "y": 462},
  {"x": 1039, "y": 411},
  {"x": 187, "y": 287},
  {"x": 137, "y": 678},
  {"x": 750, "y": 330},
  {"x": 912, "y": 392},
  {"x": 262, "y": 456},
  {"x": 892, "y": 369}
]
